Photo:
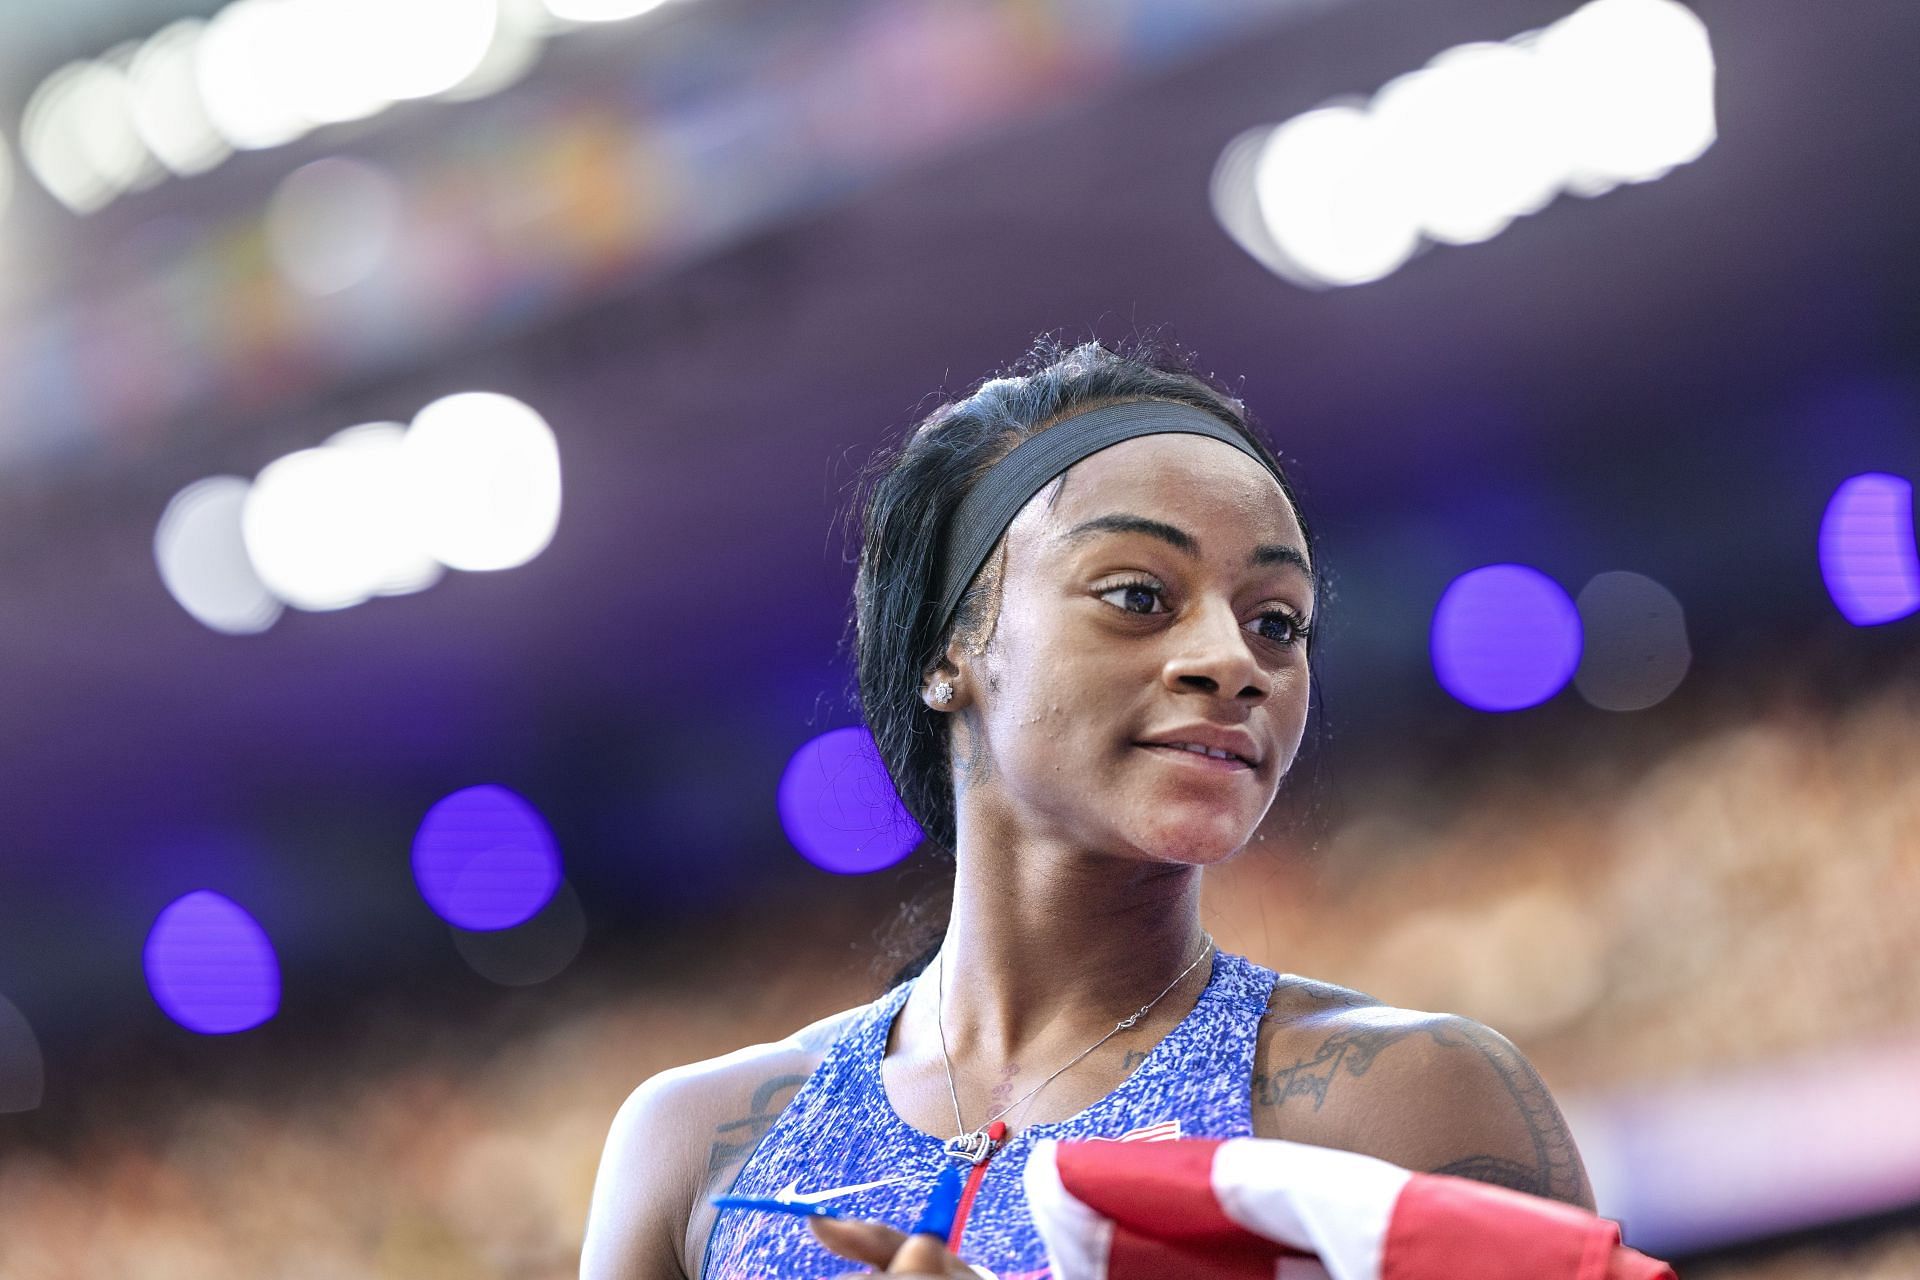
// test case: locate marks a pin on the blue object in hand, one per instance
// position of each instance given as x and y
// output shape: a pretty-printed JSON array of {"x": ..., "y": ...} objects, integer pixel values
[{"x": 937, "y": 1218}]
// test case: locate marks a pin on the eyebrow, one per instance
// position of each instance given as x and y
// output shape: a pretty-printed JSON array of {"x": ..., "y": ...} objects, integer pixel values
[{"x": 1181, "y": 540}]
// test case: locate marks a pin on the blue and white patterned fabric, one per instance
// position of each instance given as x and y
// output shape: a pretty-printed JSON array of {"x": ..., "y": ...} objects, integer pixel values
[{"x": 840, "y": 1130}]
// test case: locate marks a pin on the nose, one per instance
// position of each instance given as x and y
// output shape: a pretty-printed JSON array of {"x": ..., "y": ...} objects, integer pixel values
[{"x": 1215, "y": 658}]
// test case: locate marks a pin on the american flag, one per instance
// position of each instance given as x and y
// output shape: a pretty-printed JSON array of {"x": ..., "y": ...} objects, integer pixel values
[{"x": 1263, "y": 1209}]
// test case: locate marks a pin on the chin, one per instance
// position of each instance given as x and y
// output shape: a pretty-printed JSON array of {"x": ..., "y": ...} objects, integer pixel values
[{"x": 1199, "y": 840}]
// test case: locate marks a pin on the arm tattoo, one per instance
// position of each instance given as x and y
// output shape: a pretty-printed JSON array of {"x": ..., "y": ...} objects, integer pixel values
[
  {"x": 1558, "y": 1174},
  {"x": 1554, "y": 1172},
  {"x": 1328, "y": 994},
  {"x": 736, "y": 1139},
  {"x": 1354, "y": 1049},
  {"x": 1499, "y": 1171}
]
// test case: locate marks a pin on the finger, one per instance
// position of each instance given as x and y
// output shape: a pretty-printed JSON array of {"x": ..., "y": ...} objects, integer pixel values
[
  {"x": 873, "y": 1243},
  {"x": 928, "y": 1255}
]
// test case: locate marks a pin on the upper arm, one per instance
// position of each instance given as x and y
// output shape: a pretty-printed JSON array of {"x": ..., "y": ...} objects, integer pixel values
[
  {"x": 643, "y": 1192},
  {"x": 1471, "y": 1105},
  {"x": 680, "y": 1135},
  {"x": 1429, "y": 1092}
]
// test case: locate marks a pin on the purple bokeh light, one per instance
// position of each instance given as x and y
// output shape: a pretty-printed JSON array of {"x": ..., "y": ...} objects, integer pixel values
[
  {"x": 1867, "y": 554},
  {"x": 1505, "y": 636},
  {"x": 485, "y": 859},
  {"x": 210, "y": 965},
  {"x": 839, "y": 807}
]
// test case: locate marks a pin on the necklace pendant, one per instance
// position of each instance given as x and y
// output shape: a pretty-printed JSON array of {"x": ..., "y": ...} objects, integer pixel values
[{"x": 972, "y": 1148}]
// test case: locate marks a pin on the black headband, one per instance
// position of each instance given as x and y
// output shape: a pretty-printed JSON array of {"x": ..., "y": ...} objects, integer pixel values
[{"x": 986, "y": 512}]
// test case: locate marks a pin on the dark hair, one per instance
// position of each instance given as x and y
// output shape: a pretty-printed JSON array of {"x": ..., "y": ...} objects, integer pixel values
[{"x": 912, "y": 493}]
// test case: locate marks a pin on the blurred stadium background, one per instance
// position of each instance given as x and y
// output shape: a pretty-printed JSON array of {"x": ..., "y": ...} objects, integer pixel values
[{"x": 426, "y": 435}]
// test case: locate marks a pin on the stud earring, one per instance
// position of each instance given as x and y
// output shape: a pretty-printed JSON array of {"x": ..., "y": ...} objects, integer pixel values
[{"x": 942, "y": 694}]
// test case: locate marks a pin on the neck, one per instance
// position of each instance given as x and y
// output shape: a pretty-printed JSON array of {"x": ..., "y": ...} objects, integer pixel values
[{"x": 1052, "y": 942}]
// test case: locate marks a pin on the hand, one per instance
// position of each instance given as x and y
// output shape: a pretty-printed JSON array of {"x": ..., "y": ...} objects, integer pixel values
[{"x": 888, "y": 1251}]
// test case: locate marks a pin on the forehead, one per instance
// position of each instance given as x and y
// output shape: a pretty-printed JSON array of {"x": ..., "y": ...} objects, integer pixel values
[{"x": 1204, "y": 486}]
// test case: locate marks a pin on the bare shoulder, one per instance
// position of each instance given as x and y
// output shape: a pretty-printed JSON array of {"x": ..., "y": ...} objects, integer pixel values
[
  {"x": 680, "y": 1137},
  {"x": 1434, "y": 1092}
]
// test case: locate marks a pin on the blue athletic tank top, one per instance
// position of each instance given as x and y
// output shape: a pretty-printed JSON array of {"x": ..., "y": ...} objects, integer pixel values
[{"x": 841, "y": 1133}]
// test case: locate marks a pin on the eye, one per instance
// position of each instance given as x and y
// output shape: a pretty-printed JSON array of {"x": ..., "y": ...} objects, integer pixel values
[
  {"x": 1281, "y": 627},
  {"x": 1138, "y": 596}
]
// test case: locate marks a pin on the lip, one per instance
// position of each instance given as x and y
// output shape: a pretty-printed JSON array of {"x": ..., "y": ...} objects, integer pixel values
[
  {"x": 1194, "y": 760},
  {"x": 1217, "y": 737}
]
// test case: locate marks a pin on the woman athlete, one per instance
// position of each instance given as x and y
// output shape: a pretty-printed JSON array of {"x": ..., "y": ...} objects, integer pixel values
[{"x": 1084, "y": 609}]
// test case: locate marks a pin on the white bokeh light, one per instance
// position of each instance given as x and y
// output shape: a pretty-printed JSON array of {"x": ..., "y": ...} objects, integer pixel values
[
  {"x": 600, "y": 10},
  {"x": 303, "y": 532},
  {"x": 1469, "y": 136},
  {"x": 262, "y": 73},
  {"x": 417, "y": 48},
  {"x": 339, "y": 79},
  {"x": 389, "y": 539},
  {"x": 331, "y": 224},
  {"x": 519, "y": 34},
  {"x": 248, "y": 62},
  {"x": 484, "y": 472},
  {"x": 78, "y": 137},
  {"x": 1633, "y": 82},
  {"x": 1331, "y": 200},
  {"x": 331, "y": 527},
  {"x": 164, "y": 91},
  {"x": 1618, "y": 91},
  {"x": 203, "y": 560}
]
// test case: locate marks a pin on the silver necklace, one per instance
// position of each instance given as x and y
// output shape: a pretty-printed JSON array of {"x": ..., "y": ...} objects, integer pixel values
[{"x": 976, "y": 1145}]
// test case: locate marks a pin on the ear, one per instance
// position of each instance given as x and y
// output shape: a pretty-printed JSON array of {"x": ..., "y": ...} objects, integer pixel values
[{"x": 950, "y": 676}]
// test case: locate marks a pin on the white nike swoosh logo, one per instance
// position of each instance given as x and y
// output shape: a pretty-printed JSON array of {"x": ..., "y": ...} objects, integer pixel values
[{"x": 792, "y": 1194}]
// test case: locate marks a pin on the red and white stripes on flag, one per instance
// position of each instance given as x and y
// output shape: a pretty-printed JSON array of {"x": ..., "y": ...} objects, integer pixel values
[{"x": 1262, "y": 1209}]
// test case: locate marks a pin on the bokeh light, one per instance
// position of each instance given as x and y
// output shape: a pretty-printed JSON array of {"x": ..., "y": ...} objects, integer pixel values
[
  {"x": 418, "y": 48},
  {"x": 77, "y": 136},
  {"x": 390, "y": 560},
  {"x": 1636, "y": 650},
  {"x": 1468, "y": 162},
  {"x": 203, "y": 559},
  {"x": 164, "y": 96},
  {"x": 485, "y": 859},
  {"x": 600, "y": 10},
  {"x": 377, "y": 509},
  {"x": 484, "y": 472},
  {"x": 839, "y": 807},
  {"x": 303, "y": 533},
  {"x": 528, "y": 953},
  {"x": 1619, "y": 91},
  {"x": 1632, "y": 90},
  {"x": 331, "y": 224},
  {"x": 248, "y": 57},
  {"x": 23, "y": 1071},
  {"x": 519, "y": 33},
  {"x": 210, "y": 966},
  {"x": 1867, "y": 554},
  {"x": 1328, "y": 195},
  {"x": 1505, "y": 636}
]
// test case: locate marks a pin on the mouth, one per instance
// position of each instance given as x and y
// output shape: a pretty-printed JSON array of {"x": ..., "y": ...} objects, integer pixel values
[{"x": 1192, "y": 754}]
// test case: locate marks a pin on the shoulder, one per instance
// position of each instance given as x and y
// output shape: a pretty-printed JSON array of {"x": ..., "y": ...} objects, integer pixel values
[
  {"x": 1434, "y": 1092},
  {"x": 679, "y": 1133}
]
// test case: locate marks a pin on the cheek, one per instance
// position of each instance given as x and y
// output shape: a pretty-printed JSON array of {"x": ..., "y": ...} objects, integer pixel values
[{"x": 1289, "y": 705}]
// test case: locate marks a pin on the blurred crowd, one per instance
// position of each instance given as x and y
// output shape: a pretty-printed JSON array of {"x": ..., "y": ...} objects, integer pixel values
[{"x": 1742, "y": 898}]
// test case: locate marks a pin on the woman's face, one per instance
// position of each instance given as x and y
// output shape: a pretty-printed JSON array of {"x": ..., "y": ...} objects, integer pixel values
[{"x": 1154, "y": 600}]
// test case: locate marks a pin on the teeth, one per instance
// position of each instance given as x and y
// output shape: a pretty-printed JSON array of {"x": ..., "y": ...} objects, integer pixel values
[{"x": 1215, "y": 752}]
